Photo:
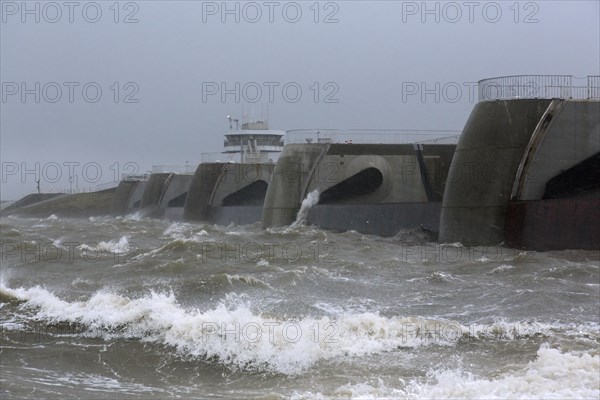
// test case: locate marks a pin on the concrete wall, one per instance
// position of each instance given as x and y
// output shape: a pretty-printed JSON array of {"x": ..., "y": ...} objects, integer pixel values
[
  {"x": 484, "y": 167},
  {"x": 29, "y": 200},
  {"x": 235, "y": 177},
  {"x": 237, "y": 215},
  {"x": 121, "y": 197},
  {"x": 397, "y": 164},
  {"x": 294, "y": 168},
  {"x": 201, "y": 190},
  {"x": 163, "y": 195},
  {"x": 153, "y": 191},
  {"x": 572, "y": 136},
  {"x": 385, "y": 219},
  {"x": 509, "y": 151},
  {"x": 217, "y": 191},
  {"x": 135, "y": 198},
  {"x": 554, "y": 224},
  {"x": 175, "y": 187},
  {"x": 355, "y": 181},
  {"x": 74, "y": 205}
]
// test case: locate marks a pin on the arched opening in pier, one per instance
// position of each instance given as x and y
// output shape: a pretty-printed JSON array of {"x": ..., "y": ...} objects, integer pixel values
[
  {"x": 578, "y": 180},
  {"x": 365, "y": 182},
  {"x": 178, "y": 201},
  {"x": 250, "y": 195}
]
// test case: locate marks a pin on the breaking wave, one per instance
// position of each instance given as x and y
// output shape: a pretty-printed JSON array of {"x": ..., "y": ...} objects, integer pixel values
[
  {"x": 554, "y": 374},
  {"x": 234, "y": 335}
]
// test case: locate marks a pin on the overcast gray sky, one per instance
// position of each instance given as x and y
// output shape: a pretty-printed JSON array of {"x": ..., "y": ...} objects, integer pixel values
[{"x": 161, "y": 67}]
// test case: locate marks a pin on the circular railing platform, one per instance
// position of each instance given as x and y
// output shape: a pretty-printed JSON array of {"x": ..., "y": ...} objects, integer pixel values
[{"x": 539, "y": 87}]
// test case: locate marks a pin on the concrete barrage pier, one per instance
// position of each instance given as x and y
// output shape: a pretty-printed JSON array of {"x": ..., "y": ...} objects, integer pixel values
[
  {"x": 376, "y": 188},
  {"x": 526, "y": 171},
  {"x": 160, "y": 194},
  {"x": 225, "y": 193}
]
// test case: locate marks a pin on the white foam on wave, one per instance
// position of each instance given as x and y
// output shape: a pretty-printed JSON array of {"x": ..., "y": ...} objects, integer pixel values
[
  {"x": 135, "y": 216},
  {"x": 57, "y": 243},
  {"x": 176, "y": 228},
  {"x": 183, "y": 231},
  {"x": 232, "y": 334},
  {"x": 103, "y": 219},
  {"x": 502, "y": 268},
  {"x": 552, "y": 375},
  {"x": 453, "y": 244},
  {"x": 263, "y": 263},
  {"x": 286, "y": 346},
  {"x": 246, "y": 279},
  {"x": 120, "y": 246}
]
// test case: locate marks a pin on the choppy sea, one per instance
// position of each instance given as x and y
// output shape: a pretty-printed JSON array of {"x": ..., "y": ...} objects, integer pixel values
[{"x": 135, "y": 308}]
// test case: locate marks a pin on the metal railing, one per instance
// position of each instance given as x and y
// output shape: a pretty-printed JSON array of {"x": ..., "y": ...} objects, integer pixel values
[
  {"x": 75, "y": 190},
  {"x": 539, "y": 87},
  {"x": 137, "y": 177},
  {"x": 371, "y": 136},
  {"x": 220, "y": 157},
  {"x": 259, "y": 157},
  {"x": 187, "y": 169},
  {"x": 124, "y": 177},
  {"x": 593, "y": 84}
]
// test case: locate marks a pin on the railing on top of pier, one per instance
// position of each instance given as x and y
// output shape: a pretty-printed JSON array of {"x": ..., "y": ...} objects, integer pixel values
[
  {"x": 187, "y": 169},
  {"x": 136, "y": 177},
  {"x": 258, "y": 157},
  {"x": 220, "y": 157},
  {"x": 371, "y": 136},
  {"x": 539, "y": 87},
  {"x": 124, "y": 177}
]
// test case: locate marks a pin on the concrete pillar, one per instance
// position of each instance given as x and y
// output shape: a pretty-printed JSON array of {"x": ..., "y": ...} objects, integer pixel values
[
  {"x": 154, "y": 190},
  {"x": 286, "y": 189},
  {"x": 484, "y": 167},
  {"x": 121, "y": 197},
  {"x": 201, "y": 190}
]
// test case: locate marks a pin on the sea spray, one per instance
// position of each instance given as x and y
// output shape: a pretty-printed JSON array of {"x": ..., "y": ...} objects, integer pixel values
[{"x": 311, "y": 200}]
